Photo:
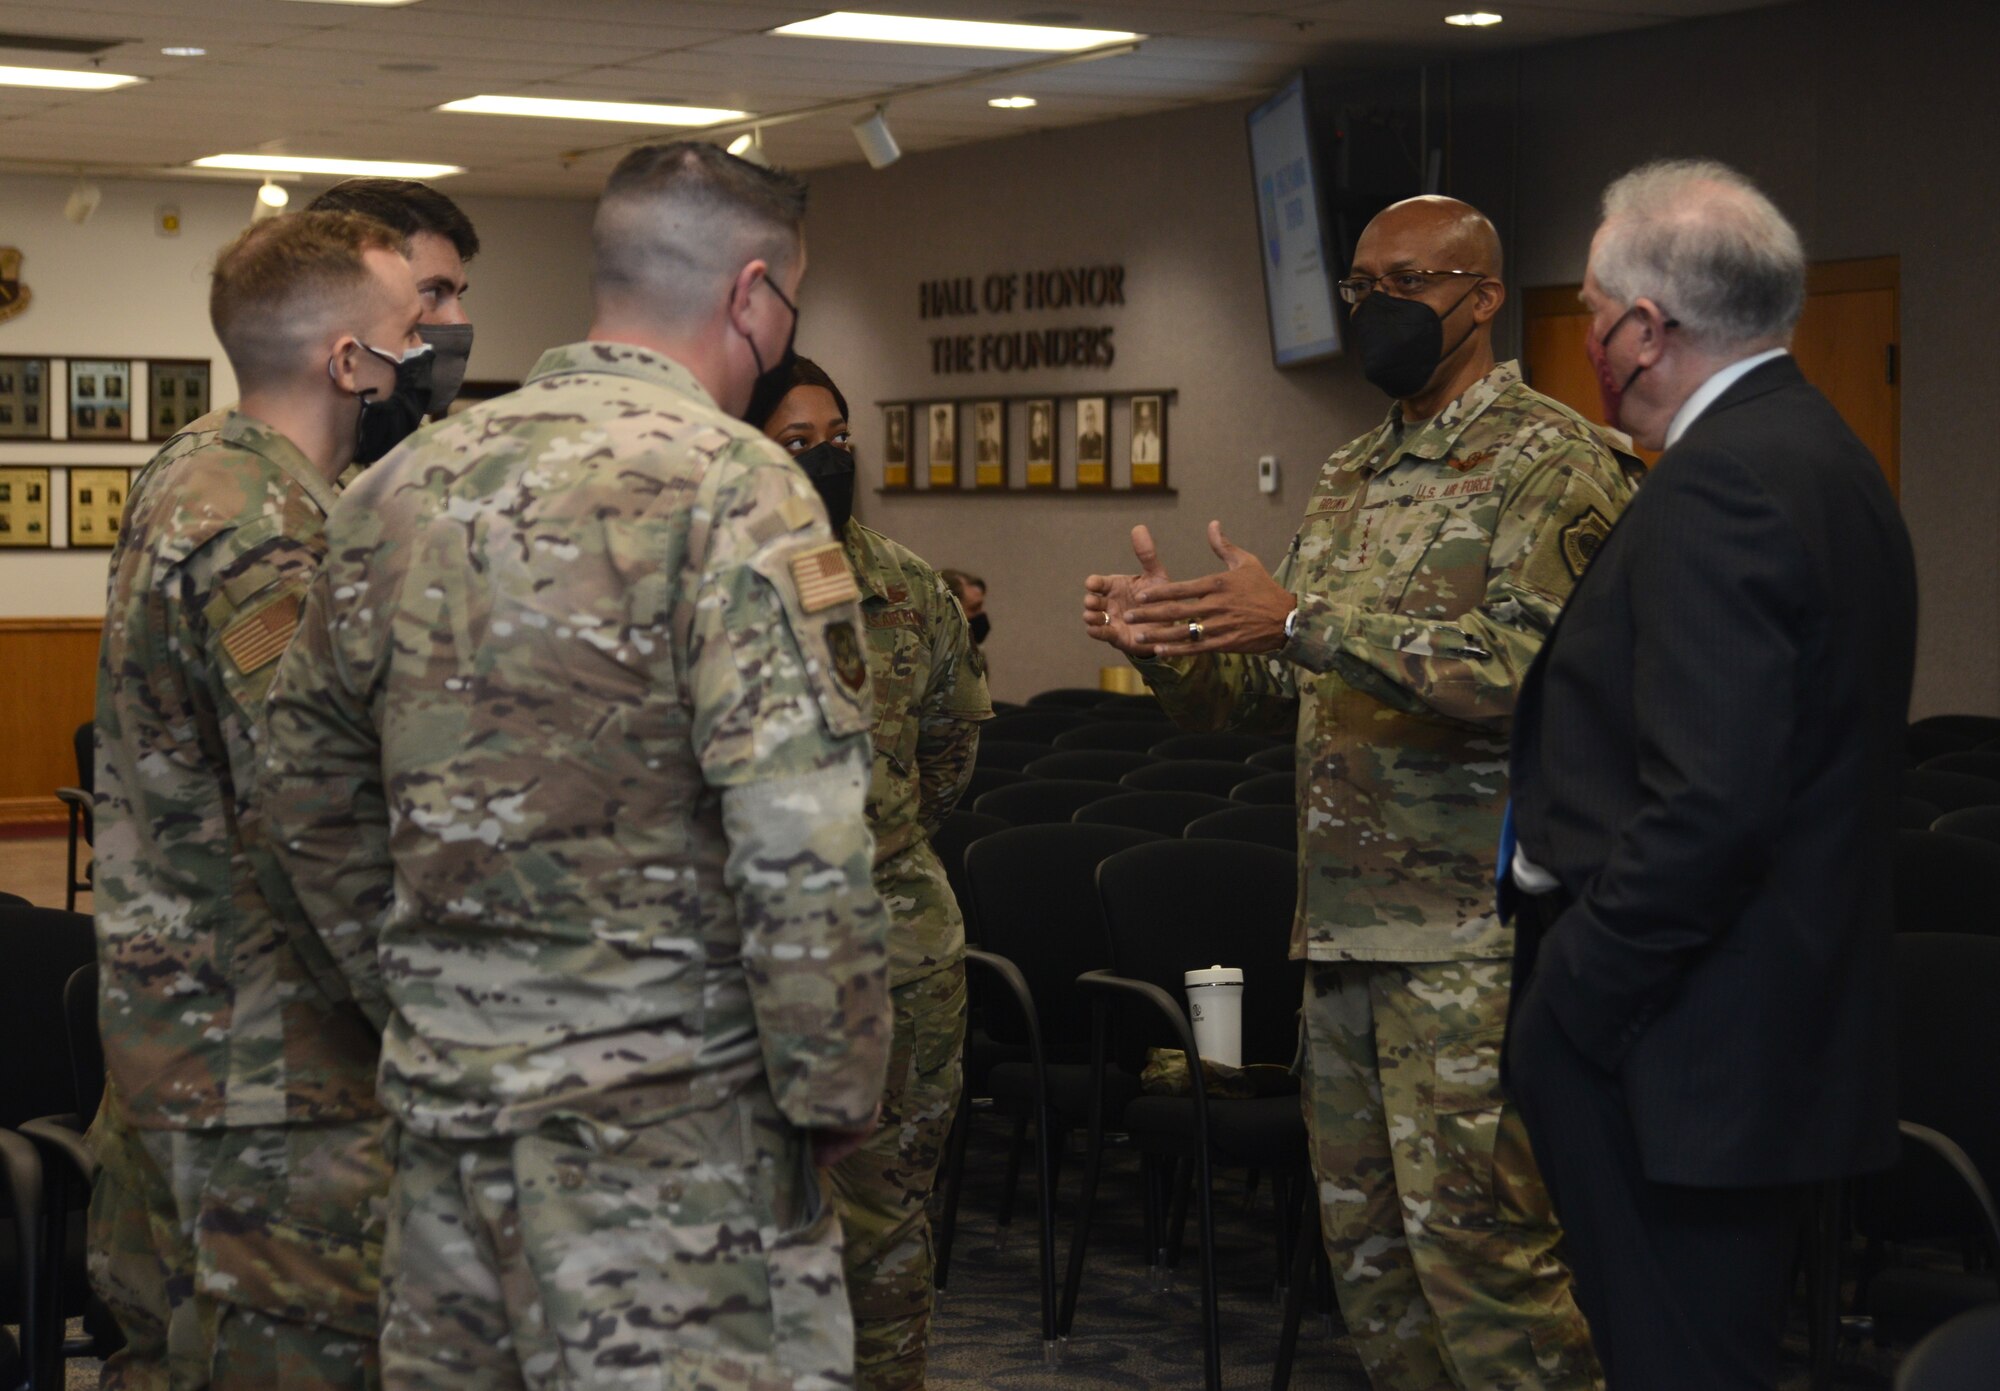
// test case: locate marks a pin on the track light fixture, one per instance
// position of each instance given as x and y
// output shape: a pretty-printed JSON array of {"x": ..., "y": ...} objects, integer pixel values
[
  {"x": 877, "y": 143},
  {"x": 271, "y": 200},
  {"x": 749, "y": 146},
  {"x": 83, "y": 201}
]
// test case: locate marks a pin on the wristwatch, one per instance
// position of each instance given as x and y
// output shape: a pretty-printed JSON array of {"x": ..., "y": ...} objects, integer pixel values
[{"x": 1291, "y": 623}]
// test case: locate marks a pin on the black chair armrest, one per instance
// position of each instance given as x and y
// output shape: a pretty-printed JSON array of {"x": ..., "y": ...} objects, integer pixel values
[
  {"x": 1016, "y": 985},
  {"x": 62, "y": 1136},
  {"x": 75, "y": 797},
  {"x": 1947, "y": 1149},
  {"x": 1105, "y": 985}
]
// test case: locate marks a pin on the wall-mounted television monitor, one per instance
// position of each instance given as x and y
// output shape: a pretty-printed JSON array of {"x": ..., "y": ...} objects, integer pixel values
[{"x": 1298, "y": 280}]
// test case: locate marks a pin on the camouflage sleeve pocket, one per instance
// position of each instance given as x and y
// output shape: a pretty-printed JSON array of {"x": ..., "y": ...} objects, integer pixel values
[{"x": 821, "y": 609}]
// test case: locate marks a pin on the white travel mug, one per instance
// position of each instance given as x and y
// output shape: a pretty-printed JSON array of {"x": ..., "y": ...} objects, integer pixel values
[{"x": 1215, "y": 1003}]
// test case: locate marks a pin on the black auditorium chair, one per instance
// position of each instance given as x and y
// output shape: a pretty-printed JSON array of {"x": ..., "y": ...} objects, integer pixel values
[
  {"x": 1970, "y": 730},
  {"x": 1067, "y": 698},
  {"x": 1211, "y": 775},
  {"x": 1172, "y": 907},
  {"x": 1094, "y": 765},
  {"x": 1036, "y": 886},
  {"x": 960, "y": 829},
  {"x": 82, "y": 809},
  {"x": 1946, "y": 883},
  {"x": 1977, "y": 763},
  {"x": 1137, "y": 709},
  {"x": 1915, "y": 814},
  {"x": 1133, "y": 736},
  {"x": 1272, "y": 825},
  {"x": 1225, "y": 745},
  {"x": 1036, "y": 725},
  {"x": 1963, "y": 1355},
  {"x": 42, "y": 1282},
  {"x": 1266, "y": 790},
  {"x": 1278, "y": 758},
  {"x": 1931, "y": 1224},
  {"x": 1982, "y": 823},
  {"x": 1950, "y": 791},
  {"x": 1165, "y": 813},
  {"x": 984, "y": 780},
  {"x": 1015, "y": 754},
  {"x": 1039, "y": 801}
]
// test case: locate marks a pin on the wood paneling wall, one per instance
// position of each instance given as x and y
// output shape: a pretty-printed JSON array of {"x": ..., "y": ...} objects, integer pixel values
[{"x": 48, "y": 686}]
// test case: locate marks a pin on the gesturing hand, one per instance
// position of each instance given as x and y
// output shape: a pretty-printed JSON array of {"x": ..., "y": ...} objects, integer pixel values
[
  {"x": 1238, "y": 609},
  {"x": 1107, "y": 598}
]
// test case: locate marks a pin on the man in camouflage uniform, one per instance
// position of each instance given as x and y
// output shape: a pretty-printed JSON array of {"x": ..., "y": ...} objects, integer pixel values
[
  {"x": 930, "y": 695},
  {"x": 1435, "y": 555},
  {"x": 236, "y": 1217},
  {"x": 568, "y": 771}
]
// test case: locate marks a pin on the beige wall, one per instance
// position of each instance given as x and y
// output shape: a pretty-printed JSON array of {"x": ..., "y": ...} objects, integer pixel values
[
  {"x": 1169, "y": 197},
  {"x": 115, "y": 288},
  {"x": 1865, "y": 120}
]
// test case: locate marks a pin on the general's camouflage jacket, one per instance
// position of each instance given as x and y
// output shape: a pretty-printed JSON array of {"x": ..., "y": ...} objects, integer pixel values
[
  {"x": 210, "y": 1013},
  {"x": 1431, "y": 565},
  {"x": 568, "y": 765}
]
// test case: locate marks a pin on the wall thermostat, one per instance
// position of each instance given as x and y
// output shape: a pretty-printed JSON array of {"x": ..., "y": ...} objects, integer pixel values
[{"x": 1267, "y": 474}]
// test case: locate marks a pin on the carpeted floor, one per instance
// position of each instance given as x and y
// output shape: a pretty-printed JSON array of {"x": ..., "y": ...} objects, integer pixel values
[{"x": 988, "y": 1328}]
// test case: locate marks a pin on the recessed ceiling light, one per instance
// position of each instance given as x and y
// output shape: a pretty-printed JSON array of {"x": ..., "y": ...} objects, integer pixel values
[
  {"x": 184, "y": 51},
  {"x": 65, "y": 79},
  {"x": 1012, "y": 103},
  {"x": 629, "y": 112},
  {"x": 1476, "y": 19},
  {"x": 311, "y": 164},
  {"x": 951, "y": 33}
]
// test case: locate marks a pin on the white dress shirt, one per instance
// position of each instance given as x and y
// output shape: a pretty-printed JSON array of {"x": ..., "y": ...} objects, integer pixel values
[{"x": 1530, "y": 877}]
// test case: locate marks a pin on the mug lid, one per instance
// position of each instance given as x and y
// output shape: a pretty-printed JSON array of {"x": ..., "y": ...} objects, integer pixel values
[{"x": 1214, "y": 975}]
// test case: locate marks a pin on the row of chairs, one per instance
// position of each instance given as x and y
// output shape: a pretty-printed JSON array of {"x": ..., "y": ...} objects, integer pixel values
[
  {"x": 1083, "y": 932},
  {"x": 48, "y": 998}
]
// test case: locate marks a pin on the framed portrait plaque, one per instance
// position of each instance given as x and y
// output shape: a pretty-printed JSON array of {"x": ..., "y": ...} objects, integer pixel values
[
  {"x": 1093, "y": 469},
  {"x": 24, "y": 398},
  {"x": 1148, "y": 450},
  {"x": 1041, "y": 444},
  {"x": 896, "y": 448},
  {"x": 100, "y": 399},
  {"x": 989, "y": 444},
  {"x": 944, "y": 444},
  {"x": 24, "y": 507},
  {"x": 96, "y": 506},
  {"x": 176, "y": 395}
]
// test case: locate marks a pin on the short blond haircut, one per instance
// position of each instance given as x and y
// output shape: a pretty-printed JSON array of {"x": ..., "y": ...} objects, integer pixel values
[{"x": 276, "y": 287}]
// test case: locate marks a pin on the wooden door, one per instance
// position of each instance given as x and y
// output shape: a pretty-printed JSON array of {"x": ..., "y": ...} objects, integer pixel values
[{"x": 1846, "y": 344}]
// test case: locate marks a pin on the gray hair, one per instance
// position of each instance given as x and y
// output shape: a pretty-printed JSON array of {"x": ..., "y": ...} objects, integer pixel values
[{"x": 1699, "y": 239}]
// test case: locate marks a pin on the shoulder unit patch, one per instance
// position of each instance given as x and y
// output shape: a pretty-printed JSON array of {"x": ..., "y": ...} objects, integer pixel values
[{"x": 1582, "y": 539}]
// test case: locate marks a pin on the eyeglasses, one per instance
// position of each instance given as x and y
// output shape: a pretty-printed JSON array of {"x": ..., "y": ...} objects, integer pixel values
[{"x": 1400, "y": 284}]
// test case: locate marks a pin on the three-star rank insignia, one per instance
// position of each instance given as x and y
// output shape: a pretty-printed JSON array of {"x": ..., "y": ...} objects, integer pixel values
[
  {"x": 1582, "y": 539},
  {"x": 845, "y": 648}
]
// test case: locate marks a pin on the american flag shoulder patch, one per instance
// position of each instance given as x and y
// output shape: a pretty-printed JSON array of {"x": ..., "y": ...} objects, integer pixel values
[
  {"x": 822, "y": 578},
  {"x": 259, "y": 638}
]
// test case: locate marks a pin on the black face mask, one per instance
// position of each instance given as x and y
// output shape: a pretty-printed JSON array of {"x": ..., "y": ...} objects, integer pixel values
[
  {"x": 779, "y": 374},
  {"x": 387, "y": 422},
  {"x": 1402, "y": 341},
  {"x": 831, "y": 470},
  {"x": 980, "y": 625},
  {"x": 451, "y": 350}
]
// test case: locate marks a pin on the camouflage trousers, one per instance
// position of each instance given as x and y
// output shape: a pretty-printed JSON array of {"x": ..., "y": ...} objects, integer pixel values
[
  {"x": 239, "y": 1258},
  {"x": 1441, "y": 1235},
  {"x": 700, "y": 1253},
  {"x": 883, "y": 1187}
]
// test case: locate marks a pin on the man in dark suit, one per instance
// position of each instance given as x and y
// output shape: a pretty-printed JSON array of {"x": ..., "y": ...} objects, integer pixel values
[{"x": 1705, "y": 768}]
